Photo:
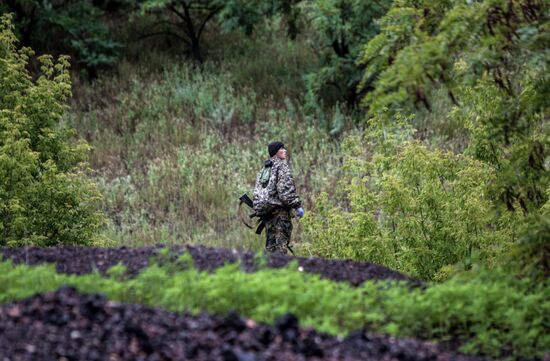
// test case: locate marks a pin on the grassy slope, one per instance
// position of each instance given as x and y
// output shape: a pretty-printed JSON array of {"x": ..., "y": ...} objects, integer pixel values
[{"x": 175, "y": 148}]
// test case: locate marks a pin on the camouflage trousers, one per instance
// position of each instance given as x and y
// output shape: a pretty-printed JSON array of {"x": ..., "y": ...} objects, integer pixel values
[{"x": 278, "y": 230}]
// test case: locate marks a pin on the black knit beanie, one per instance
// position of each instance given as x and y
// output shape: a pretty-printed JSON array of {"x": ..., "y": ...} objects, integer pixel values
[{"x": 274, "y": 147}]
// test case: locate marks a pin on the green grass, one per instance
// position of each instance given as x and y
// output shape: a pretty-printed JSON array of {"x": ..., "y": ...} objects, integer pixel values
[
  {"x": 490, "y": 313},
  {"x": 173, "y": 151}
]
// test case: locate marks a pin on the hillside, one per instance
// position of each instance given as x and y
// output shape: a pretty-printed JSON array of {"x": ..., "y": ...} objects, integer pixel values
[{"x": 401, "y": 150}]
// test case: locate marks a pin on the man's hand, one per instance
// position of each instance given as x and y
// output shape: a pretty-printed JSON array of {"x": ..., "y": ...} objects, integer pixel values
[{"x": 300, "y": 212}]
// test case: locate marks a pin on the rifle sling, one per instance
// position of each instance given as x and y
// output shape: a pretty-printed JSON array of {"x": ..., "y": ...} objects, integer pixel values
[{"x": 290, "y": 249}]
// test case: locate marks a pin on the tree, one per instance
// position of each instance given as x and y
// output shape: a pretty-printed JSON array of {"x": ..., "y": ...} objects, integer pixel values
[
  {"x": 185, "y": 20},
  {"x": 410, "y": 208},
  {"x": 340, "y": 30},
  {"x": 74, "y": 27},
  {"x": 491, "y": 58},
  {"x": 45, "y": 195},
  {"x": 407, "y": 202}
]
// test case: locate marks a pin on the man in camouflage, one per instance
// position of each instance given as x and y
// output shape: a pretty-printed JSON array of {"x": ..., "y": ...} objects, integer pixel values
[{"x": 275, "y": 199}]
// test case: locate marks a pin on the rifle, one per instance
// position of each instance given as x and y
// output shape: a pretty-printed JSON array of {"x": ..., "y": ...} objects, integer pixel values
[
  {"x": 261, "y": 222},
  {"x": 246, "y": 200}
]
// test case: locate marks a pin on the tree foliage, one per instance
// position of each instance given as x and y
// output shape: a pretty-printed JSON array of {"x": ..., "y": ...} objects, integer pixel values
[
  {"x": 45, "y": 195},
  {"x": 75, "y": 27},
  {"x": 339, "y": 30},
  {"x": 532, "y": 254},
  {"x": 85, "y": 33},
  {"x": 491, "y": 57},
  {"x": 418, "y": 209},
  {"x": 246, "y": 15}
]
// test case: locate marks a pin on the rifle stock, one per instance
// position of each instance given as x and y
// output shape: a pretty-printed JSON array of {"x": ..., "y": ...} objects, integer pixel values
[{"x": 246, "y": 200}]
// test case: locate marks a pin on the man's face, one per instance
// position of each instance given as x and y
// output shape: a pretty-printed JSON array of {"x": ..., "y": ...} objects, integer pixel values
[{"x": 281, "y": 153}]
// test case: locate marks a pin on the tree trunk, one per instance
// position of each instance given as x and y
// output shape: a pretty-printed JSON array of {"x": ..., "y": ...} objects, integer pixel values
[{"x": 196, "y": 51}]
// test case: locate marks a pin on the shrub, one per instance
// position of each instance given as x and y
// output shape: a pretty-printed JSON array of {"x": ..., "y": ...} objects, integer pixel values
[
  {"x": 45, "y": 196},
  {"x": 410, "y": 208},
  {"x": 531, "y": 255}
]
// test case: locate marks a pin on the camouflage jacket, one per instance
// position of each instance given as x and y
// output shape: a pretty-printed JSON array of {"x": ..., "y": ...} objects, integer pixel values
[{"x": 275, "y": 187}]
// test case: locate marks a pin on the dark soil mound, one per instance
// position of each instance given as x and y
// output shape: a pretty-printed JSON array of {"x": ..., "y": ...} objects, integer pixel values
[
  {"x": 81, "y": 260},
  {"x": 66, "y": 325}
]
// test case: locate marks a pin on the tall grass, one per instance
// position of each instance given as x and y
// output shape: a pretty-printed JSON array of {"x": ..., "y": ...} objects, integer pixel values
[{"x": 173, "y": 151}]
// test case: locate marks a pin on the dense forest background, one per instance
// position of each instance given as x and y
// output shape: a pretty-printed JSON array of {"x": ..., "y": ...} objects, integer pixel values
[{"x": 418, "y": 131}]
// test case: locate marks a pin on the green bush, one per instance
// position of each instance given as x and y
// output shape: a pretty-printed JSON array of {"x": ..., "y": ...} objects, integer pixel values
[
  {"x": 416, "y": 210},
  {"x": 45, "y": 196},
  {"x": 489, "y": 313},
  {"x": 531, "y": 255}
]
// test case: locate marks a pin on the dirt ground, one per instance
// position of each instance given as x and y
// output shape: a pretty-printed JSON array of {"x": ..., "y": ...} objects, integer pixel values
[
  {"x": 81, "y": 260},
  {"x": 66, "y": 325}
]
